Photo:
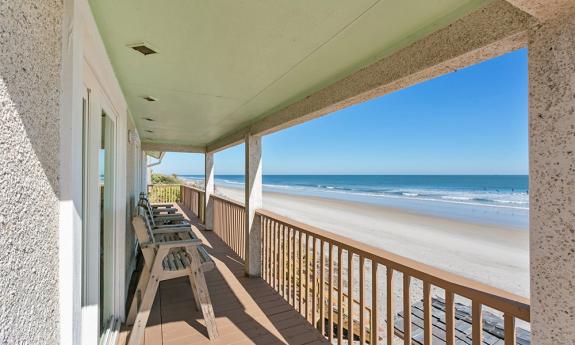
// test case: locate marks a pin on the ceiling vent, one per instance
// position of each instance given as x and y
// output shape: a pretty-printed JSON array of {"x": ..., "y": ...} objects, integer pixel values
[
  {"x": 149, "y": 98},
  {"x": 143, "y": 48}
]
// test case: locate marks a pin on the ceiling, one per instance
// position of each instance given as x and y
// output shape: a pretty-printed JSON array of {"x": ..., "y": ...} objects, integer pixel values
[{"x": 222, "y": 64}]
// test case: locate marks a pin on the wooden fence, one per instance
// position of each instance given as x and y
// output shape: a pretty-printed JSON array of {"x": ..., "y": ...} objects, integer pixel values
[
  {"x": 193, "y": 199},
  {"x": 164, "y": 193}
]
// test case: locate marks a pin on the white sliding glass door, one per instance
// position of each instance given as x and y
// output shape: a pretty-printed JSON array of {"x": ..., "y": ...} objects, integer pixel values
[{"x": 100, "y": 284}]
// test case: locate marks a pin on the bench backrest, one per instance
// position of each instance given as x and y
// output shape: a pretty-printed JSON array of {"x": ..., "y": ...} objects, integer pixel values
[
  {"x": 144, "y": 235},
  {"x": 146, "y": 211}
]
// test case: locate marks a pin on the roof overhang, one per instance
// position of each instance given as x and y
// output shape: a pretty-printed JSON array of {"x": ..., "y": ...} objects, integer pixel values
[{"x": 226, "y": 69}]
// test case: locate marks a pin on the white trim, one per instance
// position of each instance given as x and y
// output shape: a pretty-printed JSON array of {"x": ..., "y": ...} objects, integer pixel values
[{"x": 70, "y": 182}]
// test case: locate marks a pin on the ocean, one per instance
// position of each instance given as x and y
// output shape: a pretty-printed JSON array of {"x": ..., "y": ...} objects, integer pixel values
[{"x": 492, "y": 199}]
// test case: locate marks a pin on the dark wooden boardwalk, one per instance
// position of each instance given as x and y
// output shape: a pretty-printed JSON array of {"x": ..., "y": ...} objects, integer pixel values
[{"x": 493, "y": 332}]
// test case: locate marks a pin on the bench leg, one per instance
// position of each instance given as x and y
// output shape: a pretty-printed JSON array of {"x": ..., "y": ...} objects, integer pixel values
[
  {"x": 195, "y": 292},
  {"x": 137, "y": 333},
  {"x": 197, "y": 276},
  {"x": 138, "y": 294}
]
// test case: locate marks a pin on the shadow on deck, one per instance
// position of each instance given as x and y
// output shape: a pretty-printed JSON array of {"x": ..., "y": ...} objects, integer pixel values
[{"x": 248, "y": 311}]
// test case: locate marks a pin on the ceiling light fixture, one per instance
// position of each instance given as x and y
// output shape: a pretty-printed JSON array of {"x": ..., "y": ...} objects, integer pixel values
[
  {"x": 149, "y": 98},
  {"x": 148, "y": 119}
]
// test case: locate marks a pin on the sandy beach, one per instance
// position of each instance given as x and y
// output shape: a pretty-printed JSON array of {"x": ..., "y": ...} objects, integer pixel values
[{"x": 494, "y": 255}]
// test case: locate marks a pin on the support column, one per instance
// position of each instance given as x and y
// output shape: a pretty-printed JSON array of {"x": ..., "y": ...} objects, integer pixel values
[
  {"x": 209, "y": 189},
  {"x": 253, "y": 201},
  {"x": 552, "y": 180}
]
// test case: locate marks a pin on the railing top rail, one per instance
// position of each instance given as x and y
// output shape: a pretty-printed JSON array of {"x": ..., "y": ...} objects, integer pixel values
[
  {"x": 193, "y": 188},
  {"x": 499, "y": 299},
  {"x": 228, "y": 200}
]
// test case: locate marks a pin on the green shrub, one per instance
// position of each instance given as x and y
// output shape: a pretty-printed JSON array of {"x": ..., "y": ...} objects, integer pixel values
[{"x": 165, "y": 179}]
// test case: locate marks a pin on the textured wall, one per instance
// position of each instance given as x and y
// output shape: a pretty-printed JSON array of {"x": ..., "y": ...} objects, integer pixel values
[
  {"x": 552, "y": 180},
  {"x": 30, "y": 53}
]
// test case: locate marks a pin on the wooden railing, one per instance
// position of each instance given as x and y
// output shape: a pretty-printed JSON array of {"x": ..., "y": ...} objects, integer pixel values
[
  {"x": 164, "y": 193},
  {"x": 315, "y": 271},
  {"x": 229, "y": 223},
  {"x": 297, "y": 259},
  {"x": 193, "y": 199}
]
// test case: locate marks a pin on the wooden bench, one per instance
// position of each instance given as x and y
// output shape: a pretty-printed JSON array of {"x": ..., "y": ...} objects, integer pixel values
[
  {"x": 158, "y": 208},
  {"x": 169, "y": 252},
  {"x": 156, "y": 219}
]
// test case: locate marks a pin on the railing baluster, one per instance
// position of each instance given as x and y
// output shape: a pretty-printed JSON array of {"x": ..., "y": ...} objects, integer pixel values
[
  {"x": 406, "y": 309},
  {"x": 269, "y": 222},
  {"x": 285, "y": 266},
  {"x": 361, "y": 300},
  {"x": 314, "y": 283},
  {"x": 281, "y": 260},
  {"x": 390, "y": 307},
  {"x": 477, "y": 323},
  {"x": 330, "y": 292},
  {"x": 374, "y": 329},
  {"x": 427, "y": 321},
  {"x": 273, "y": 256},
  {"x": 289, "y": 266},
  {"x": 286, "y": 262},
  {"x": 307, "y": 261},
  {"x": 509, "y": 326},
  {"x": 321, "y": 287},
  {"x": 293, "y": 275},
  {"x": 277, "y": 258},
  {"x": 339, "y": 296},
  {"x": 449, "y": 318},
  {"x": 300, "y": 272},
  {"x": 263, "y": 258},
  {"x": 350, "y": 297}
]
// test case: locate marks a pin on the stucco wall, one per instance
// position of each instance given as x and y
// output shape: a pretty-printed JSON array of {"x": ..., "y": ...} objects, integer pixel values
[
  {"x": 30, "y": 55},
  {"x": 552, "y": 180}
]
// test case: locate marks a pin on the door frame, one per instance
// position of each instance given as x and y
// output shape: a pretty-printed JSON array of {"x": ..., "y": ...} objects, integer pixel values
[
  {"x": 98, "y": 104},
  {"x": 105, "y": 97},
  {"x": 85, "y": 63}
]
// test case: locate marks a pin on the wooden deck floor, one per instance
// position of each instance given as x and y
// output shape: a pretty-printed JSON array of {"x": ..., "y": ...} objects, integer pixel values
[{"x": 248, "y": 311}]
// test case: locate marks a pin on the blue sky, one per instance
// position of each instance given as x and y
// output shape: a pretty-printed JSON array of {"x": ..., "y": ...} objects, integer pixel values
[{"x": 473, "y": 121}]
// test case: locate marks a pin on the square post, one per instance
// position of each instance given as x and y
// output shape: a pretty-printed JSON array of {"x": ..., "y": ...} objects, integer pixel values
[
  {"x": 209, "y": 190},
  {"x": 552, "y": 180},
  {"x": 253, "y": 201}
]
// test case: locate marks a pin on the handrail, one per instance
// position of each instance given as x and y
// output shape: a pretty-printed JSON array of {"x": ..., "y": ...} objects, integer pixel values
[{"x": 499, "y": 299}]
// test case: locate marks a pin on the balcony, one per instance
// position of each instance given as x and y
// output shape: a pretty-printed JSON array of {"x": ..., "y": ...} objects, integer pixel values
[{"x": 306, "y": 278}]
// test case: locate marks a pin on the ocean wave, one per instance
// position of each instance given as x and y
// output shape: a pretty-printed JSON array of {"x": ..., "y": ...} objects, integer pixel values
[{"x": 506, "y": 199}]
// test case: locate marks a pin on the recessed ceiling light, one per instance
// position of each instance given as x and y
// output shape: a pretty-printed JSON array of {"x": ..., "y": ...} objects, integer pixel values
[
  {"x": 143, "y": 48},
  {"x": 149, "y": 98},
  {"x": 148, "y": 119}
]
